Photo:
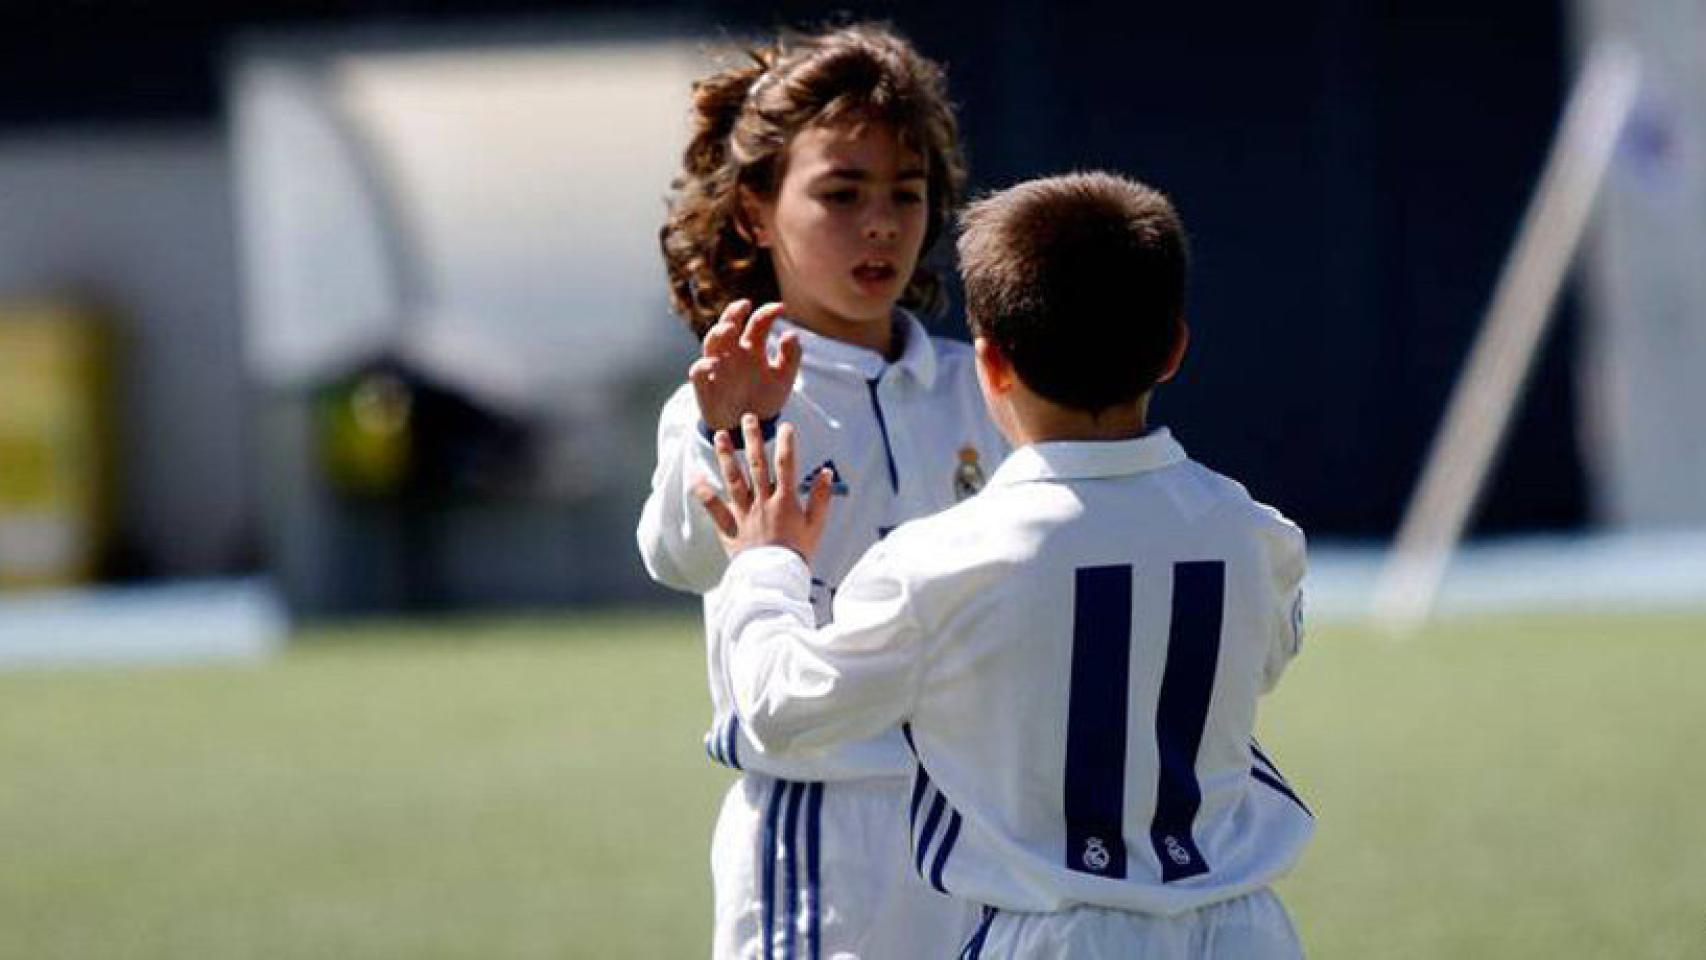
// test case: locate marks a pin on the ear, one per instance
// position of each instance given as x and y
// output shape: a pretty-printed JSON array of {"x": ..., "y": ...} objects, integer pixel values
[
  {"x": 993, "y": 367},
  {"x": 752, "y": 211},
  {"x": 1177, "y": 357}
]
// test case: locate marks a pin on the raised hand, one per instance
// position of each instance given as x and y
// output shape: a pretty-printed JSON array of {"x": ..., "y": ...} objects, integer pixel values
[
  {"x": 736, "y": 374},
  {"x": 761, "y": 510}
]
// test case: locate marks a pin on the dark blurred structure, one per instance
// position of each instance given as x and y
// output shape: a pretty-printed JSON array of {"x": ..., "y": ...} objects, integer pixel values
[
  {"x": 1351, "y": 174},
  {"x": 393, "y": 451},
  {"x": 389, "y": 429}
]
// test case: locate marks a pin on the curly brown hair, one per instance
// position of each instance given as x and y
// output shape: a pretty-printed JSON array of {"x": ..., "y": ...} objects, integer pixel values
[{"x": 743, "y": 120}]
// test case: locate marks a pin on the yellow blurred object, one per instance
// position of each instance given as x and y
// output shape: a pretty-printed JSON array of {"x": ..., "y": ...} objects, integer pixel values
[
  {"x": 55, "y": 465},
  {"x": 366, "y": 446}
]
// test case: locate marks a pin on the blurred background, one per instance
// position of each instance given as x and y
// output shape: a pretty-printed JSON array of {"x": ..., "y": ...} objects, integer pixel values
[
  {"x": 364, "y": 296},
  {"x": 333, "y": 335}
]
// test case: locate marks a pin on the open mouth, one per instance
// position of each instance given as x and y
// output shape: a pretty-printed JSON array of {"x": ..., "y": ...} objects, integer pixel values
[{"x": 874, "y": 271}]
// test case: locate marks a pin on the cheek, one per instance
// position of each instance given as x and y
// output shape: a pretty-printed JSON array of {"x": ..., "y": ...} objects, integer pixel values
[
  {"x": 805, "y": 228},
  {"x": 917, "y": 220}
]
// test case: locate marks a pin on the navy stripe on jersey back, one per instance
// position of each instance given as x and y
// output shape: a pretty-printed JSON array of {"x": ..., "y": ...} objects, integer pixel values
[
  {"x": 1096, "y": 721},
  {"x": 1187, "y": 682}
]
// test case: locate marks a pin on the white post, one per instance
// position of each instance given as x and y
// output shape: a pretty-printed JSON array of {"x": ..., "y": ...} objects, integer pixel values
[{"x": 1486, "y": 394}]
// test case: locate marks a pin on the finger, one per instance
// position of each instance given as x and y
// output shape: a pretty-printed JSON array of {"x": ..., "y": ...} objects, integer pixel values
[
  {"x": 720, "y": 513},
  {"x": 757, "y": 332},
  {"x": 785, "y": 460},
  {"x": 817, "y": 504},
  {"x": 723, "y": 334},
  {"x": 735, "y": 313},
  {"x": 699, "y": 373},
  {"x": 754, "y": 438},
  {"x": 734, "y": 479},
  {"x": 712, "y": 408},
  {"x": 787, "y": 365},
  {"x": 720, "y": 339}
]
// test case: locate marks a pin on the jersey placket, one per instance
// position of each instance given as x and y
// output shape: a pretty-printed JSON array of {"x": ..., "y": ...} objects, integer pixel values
[{"x": 887, "y": 393}]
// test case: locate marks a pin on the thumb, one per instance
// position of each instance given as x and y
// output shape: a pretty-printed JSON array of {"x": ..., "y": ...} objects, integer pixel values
[
  {"x": 721, "y": 516},
  {"x": 787, "y": 366}
]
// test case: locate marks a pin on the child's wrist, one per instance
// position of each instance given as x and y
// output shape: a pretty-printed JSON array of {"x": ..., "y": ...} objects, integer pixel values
[
  {"x": 766, "y": 425},
  {"x": 769, "y": 555}
]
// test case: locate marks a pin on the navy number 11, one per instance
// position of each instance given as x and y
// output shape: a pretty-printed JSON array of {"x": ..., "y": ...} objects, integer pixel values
[{"x": 1097, "y": 728}]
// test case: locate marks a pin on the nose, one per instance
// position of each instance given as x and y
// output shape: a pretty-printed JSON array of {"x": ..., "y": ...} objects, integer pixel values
[{"x": 883, "y": 225}]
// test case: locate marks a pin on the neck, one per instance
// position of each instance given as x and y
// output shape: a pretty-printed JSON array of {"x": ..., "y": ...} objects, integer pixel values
[
  {"x": 877, "y": 335},
  {"x": 1035, "y": 420}
]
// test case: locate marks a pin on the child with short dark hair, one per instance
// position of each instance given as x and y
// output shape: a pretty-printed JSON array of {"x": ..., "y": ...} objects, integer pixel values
[{"x": 1076, "y": 653}]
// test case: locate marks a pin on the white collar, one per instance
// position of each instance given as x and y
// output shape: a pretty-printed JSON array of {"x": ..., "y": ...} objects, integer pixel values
[
  {"x": 1078, "y": 460},
  {"x": 917, "y": 358}
]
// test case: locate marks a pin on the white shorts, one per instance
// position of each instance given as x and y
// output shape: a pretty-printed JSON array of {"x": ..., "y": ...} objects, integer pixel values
[
  {"x": 1251, "y": 927},
  {"x": 823, "y": 871}
]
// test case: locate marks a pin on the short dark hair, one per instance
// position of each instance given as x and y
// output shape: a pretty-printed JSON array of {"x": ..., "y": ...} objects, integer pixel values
[{"x": 1079, "y": 280}]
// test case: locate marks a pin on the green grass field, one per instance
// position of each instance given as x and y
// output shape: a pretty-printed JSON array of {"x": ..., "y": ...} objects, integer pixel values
[{"x": 1499, "y": 788}]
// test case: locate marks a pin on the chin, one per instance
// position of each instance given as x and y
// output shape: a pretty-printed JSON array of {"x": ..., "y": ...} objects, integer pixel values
[
  {"x": 871, "y": 318},
  {"x": 865, "y": 310},
  {"x": 873, "y": 308}
]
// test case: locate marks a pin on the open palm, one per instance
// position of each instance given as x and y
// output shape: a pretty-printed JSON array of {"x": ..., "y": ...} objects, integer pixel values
[
  {"x": 736, "y": 373},
  {"x": 760, "y": 507}
]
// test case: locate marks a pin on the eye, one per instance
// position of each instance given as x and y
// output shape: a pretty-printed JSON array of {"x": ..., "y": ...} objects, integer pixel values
[
  {"x": 908, "y": 197},
  {"x": 842, "y": 196}
]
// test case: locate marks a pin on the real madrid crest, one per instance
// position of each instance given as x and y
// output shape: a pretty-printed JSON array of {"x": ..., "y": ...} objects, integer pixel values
[{"x": 968, "y": 473}]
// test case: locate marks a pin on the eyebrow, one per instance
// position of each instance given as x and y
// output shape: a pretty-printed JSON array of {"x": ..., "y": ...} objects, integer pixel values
[{"x": 856, "y": 173}]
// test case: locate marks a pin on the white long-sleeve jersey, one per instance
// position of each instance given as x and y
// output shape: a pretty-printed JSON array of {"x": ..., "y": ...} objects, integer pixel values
[
  {"x": 1075, "y": 654},
  {"x": 904, "y": 439}
]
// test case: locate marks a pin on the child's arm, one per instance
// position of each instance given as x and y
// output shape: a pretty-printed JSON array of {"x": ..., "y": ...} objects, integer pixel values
[
  {"x": 1287, "y": 560},
  {"x": 677, "y": 542},
  {"x": 799, "y": 690},
  {"x": 735, "y": 374},
  {"x": 796, "y": 688}
]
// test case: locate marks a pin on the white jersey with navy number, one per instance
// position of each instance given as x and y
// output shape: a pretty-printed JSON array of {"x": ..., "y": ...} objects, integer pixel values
[
  {"x": 1076, "y": 655},
  {"x": 903, "y": 439}
]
